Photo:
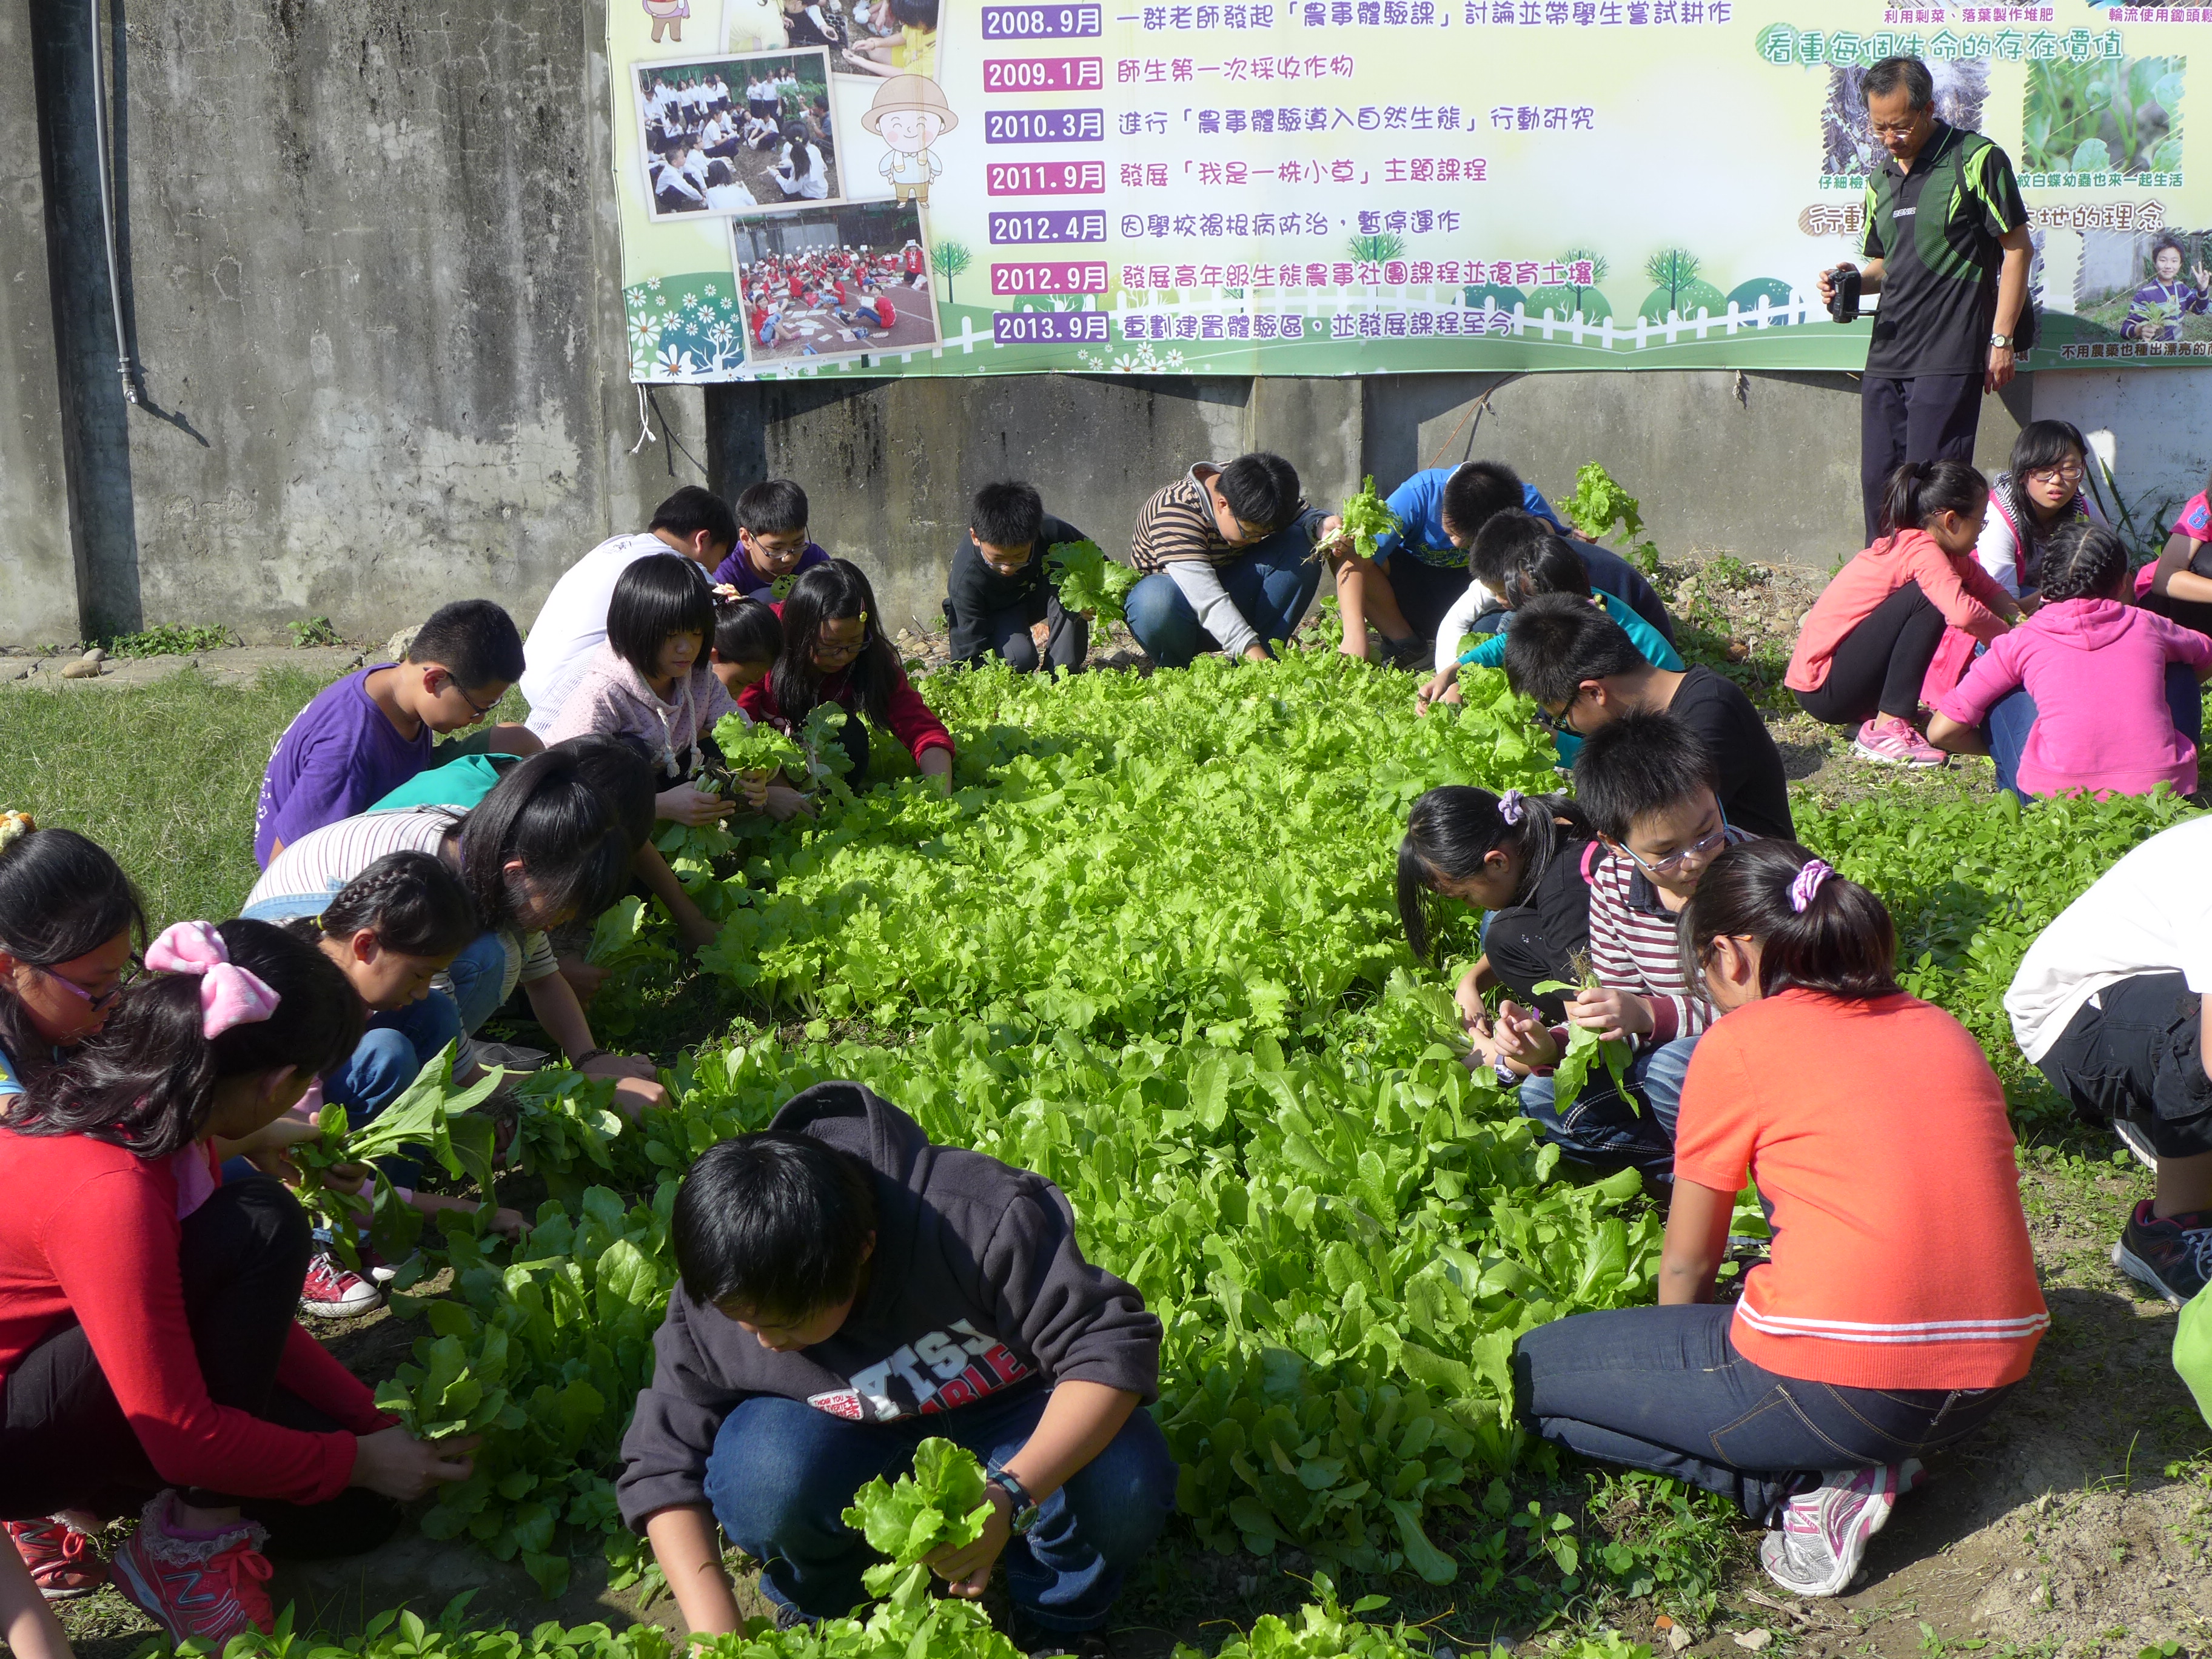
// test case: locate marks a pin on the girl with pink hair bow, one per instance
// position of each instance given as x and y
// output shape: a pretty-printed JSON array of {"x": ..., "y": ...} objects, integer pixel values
[{"x": 148, "y": 1356}]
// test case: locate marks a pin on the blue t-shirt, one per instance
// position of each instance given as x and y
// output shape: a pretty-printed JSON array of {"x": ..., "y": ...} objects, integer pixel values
[
  {"x": 338, "y": 755},
  {"x": 8, "y": 1084},
  {"x": 1490, "y": 652},
  {"x": 1418, "y": 504}
]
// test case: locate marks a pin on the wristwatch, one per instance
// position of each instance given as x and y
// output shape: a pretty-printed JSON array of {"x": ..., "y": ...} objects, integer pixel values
[
  {"x": 2001, "y": 341},
  {"x": 1025, "y": 1507}
]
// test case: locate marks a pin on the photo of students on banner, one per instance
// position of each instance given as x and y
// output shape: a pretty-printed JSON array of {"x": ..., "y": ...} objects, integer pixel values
[
  {"x": 833, "y": 282},
  {"x": 2151, "y": 287},
  {"x": 737, "y": 133}
]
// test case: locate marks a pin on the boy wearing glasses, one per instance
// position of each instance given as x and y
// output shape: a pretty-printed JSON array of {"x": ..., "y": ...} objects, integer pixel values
[
  {"x": 1226, "y": 554},
  {"x": 1585, "y": 674},
  {"x": 362, "y": 737},
  {"x": 1647, "y": 784}
]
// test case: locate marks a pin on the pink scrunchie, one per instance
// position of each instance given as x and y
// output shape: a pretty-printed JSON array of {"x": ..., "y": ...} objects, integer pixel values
[
  {"x": 229, "y": 995},
  {"x": 1806, "y": 886}
]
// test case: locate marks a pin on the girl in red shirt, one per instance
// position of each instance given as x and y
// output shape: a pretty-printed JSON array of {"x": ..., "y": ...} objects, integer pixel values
[
  {"x": 1861, "y": 1345},
  {"x": 69, "y": 919},
  {"x": 147, "y": 1352},
  {"x": 834, "y": 651}
]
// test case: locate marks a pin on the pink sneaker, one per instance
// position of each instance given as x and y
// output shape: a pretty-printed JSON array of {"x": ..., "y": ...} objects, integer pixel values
[
  {"x": 1824, "y": 1532},
  {"x": 203, "y": 1586},
  {"x": 62, "y": 1562},
  {"x": 1894, "y": 742},
  {"x": 332, "y": 1293}
]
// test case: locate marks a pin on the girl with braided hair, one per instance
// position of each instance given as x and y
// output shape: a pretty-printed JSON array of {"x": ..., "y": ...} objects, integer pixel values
[
  {"x": 1876, "y": 1135},
  {"x": 2090, "y": 693}
]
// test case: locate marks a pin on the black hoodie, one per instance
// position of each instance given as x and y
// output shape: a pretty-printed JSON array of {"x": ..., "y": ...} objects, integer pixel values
[{"x": 977, "y": 1286}]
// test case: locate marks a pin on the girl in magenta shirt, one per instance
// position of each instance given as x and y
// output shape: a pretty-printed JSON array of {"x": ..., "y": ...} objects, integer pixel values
[{"x": 2089, "y": 693}]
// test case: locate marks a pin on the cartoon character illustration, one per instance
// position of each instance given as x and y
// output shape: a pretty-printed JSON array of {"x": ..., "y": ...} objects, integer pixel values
[
  {"x": 909, "y": 114},
  {"x": 668, "y": 15}
]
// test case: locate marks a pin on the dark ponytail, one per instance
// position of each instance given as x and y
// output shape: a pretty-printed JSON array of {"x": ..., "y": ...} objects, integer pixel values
[
  {"x": 548, "y": 816},
  {"x": 146, "y": 1081},
  {"x": 62, "y": 896},
  {"x": 1452, "y": 829},
  {"x": 1920, "y": 490},
  {"x": 1840, "y": 941},
  {"x": 411, "y": 901},
  {"x": 2082, "y": 561}
]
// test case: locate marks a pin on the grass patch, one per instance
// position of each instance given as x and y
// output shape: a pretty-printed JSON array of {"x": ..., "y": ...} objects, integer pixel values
[
  {"x": 164, "y": 776},
  {"x": 171, "y": 640}
]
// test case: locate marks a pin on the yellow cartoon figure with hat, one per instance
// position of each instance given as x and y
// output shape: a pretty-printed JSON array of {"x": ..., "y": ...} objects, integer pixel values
[{"x": 909, "y": 114}]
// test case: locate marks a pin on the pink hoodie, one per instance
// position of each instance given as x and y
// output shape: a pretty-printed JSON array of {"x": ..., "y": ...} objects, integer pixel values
[{"x": 2097, "y": 671}]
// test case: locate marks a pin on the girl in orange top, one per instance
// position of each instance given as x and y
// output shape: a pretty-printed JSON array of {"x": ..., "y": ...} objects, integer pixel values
[
  {"x": 1860, "y": 1345},
  {"x": 1863, "y": 651}
]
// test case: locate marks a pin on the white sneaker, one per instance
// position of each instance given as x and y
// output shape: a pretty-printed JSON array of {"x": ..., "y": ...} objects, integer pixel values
[
  {"x": 332, "y": 1293},
  {"x": 2137, "y": 1141},
  {"x": 1824, "y": 1532}
]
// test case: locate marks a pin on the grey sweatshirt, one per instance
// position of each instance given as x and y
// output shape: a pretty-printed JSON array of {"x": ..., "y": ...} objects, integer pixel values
[{"x": 977, "y": 1286}]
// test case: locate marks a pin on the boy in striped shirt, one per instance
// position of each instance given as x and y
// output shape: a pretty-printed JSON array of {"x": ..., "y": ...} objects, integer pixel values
[
  {"x": 1226, "y": 554},
  {"x": 1648, "y": 784}
]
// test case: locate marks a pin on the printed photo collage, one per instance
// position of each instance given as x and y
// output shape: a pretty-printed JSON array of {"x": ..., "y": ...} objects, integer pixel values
[
  {"x": 828, "y": 230},
  {"x": 2084, "y": 125}
]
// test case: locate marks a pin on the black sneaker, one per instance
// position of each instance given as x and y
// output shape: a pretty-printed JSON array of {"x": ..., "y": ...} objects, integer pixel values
[
  {"x": 2172, "y": 1256},
  {"x": 1035, "y": 1640}
]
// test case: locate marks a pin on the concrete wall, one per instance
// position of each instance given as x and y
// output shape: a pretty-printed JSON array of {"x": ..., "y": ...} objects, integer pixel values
[
  {"x": 890, "y": 465},
  {"x": 371, "y": 284},
  {"x": 37, "y": 576},
  {"x": 2154, "y": 429}
]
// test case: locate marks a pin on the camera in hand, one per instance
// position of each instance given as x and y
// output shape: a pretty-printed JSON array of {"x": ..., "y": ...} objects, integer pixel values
[{"x": 1843, "y": 306}]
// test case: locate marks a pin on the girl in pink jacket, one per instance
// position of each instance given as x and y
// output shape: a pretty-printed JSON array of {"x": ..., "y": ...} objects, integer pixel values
[
  {"x": 1865, "y": 647},
  {"x": 2089, "y": 693}
]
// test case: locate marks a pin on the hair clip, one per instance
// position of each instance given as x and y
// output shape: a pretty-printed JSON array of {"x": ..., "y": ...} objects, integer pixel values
[
  {"x": 13, "y": 826},
  {"x": 229, "y": 995},
  {"x": 1806, "y": 886}
]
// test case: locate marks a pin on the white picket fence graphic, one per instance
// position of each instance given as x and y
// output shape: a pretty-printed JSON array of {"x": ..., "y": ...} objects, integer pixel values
[{"x": 1497, "y": 324}]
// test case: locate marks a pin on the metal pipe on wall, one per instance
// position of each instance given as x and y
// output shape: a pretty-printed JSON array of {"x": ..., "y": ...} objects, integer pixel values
[{"x": 123, "y": 365}]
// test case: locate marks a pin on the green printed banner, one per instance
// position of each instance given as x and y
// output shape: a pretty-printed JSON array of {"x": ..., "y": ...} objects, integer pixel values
[{"x": 872, "y": 187}]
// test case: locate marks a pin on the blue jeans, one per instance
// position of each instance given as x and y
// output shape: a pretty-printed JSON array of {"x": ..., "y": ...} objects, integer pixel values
[
  {"x": 1272, "y": 583},
  {"x": 391, "y": 1054},
  {"x": 1600, "y": 1124},
  {"x": 2012, "y": 718},
  {"x": 782, "y": 1472},
  {"x": 1664, "y": 1389}
]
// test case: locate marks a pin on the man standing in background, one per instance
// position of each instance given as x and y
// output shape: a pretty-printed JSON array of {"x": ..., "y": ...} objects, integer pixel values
[{"x": 1947, "y": 247}]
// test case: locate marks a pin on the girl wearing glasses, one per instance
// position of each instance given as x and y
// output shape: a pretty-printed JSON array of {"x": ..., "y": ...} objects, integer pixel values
[
  {"x": 834, "y": 651},
  {"x": 69, "y": 921},
  {"x": 2039, "y": 491}
]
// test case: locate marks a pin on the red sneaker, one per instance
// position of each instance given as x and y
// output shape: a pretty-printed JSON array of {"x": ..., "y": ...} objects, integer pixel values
[
  {"x": 203, "y": 1586},
  {"x": 332, "y": 1293},
  {"x": 63, "y": 1563}
]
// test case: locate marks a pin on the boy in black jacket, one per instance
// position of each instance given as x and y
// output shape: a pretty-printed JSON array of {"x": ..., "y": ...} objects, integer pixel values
[
  {"x": 1000, "y": 599},
  {"x": 847, "y": 1291}
]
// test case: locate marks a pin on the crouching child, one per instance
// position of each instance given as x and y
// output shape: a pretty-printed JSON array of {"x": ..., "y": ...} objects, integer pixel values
[{"x": 848, "y": 1290}]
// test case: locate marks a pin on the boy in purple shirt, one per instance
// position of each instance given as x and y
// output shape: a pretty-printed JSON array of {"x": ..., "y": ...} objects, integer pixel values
[
  {"x": 368, "y": 733},
  {"x": 772, "y": 545}
]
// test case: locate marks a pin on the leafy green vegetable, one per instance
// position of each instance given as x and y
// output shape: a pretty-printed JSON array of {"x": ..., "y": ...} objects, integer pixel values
[
  {"x": 1368, "y": 519},
  {"x": 1598, "y": 503},
  {"x": 1584, "y": 1049},
  {"x": 941, "y": 1505},
  {"x": 429, "y": 1118},
  {"x": 1089, "y": 581},
  {"x": 758, "y": 746}
]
